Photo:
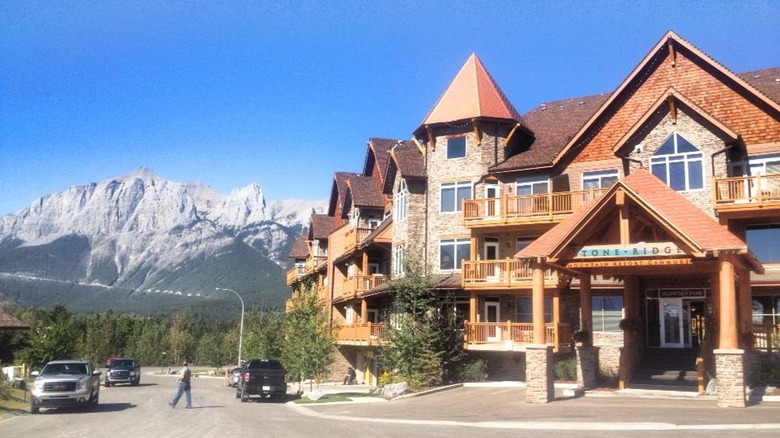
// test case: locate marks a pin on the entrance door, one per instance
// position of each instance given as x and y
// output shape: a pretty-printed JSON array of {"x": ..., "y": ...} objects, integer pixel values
[
  {"x": 492, "y": 315},
  {"x": 672, "y": 316}
]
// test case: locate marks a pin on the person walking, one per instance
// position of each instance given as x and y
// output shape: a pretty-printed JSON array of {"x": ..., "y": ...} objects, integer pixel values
[{"x": 185, "y": 375}]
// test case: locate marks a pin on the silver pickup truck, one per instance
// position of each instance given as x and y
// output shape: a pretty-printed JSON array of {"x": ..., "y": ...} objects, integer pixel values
[{"x": 65, "y": 383}]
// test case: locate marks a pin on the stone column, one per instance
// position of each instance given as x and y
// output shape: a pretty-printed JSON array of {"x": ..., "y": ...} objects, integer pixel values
[
  {"x": 730, "y": 368},
  {"x": 587, "y": 366},
  {"x": 539, "y": 374}
]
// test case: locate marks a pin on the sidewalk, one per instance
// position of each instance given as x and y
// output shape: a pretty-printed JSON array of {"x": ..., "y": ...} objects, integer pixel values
[{"x": 503, "y": 406}]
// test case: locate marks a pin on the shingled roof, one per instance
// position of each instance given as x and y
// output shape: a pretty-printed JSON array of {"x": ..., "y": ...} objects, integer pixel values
[
  {"x": 9, "y": 322},
  {"x": 406, "y": 161},
  {"x": 300, "y": 249},
  {"x": 338, "y": 190},
  {"x": 378, "y": 150},
  {"x": 472, "y": 94},
  {"x": 320, "y": 226},
  {"x": 766, "y": 81},
  {"x": 365, "y": 192},
  {"x": 670, "y": 208}
]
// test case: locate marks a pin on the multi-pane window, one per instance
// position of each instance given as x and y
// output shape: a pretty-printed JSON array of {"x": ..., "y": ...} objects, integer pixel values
[
  {"x": 456, "y": 147},
  {"x": 399, "y": 258},
  {"x": 679, "y": 164},
  {"x": 764, "y": 241},
  {"x": 607, "y": 313},
  {"x": 399, "y": 205},
  {"x": 522, "y": 242},
  {"x": 532, "y": 185},
  {"x": 452, "y": 195},
  {"x": 525, "y": 311},
  {"x": 452, "y": 252},
  {"x": 599, "y": 180},
  {"x": 765, "y": 165}
]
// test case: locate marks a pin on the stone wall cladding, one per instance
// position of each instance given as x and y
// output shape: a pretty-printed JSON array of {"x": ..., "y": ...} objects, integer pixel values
[
  {"x": 730, "y": 369},
  {"x": 610, "y": 344},
  {"x": 539, "y": 375},
  {"x": 714, "y": 158}
]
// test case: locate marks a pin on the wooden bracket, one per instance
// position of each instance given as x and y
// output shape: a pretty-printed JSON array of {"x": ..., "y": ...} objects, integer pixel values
[
  {"x": 475, "y": 124},
  {"x": 431, "y": 138},
  {"x": 420, "y": 147},
  {"x": 511, "y": 133},
  {"x": 672, "y": 108},
  {"x": 672, "y": 54}
]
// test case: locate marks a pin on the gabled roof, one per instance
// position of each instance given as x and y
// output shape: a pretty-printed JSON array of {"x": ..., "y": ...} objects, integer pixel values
[
  {"x": 669, "y": 45},
  {"x": 472, "y": 94},
  {"x": 378, "y": 150},
  {"x": 9, "y": 322},
  {"x": 405, "y": 161},
  {"x": 300, "y": 249},
  {"x": 364, "y": 192},
  {"x": 320, "y": 226},
  {"x": 678, "y": 216},
  {"x": 766, "y": 81},
  {"x": 338, "y": 191}
]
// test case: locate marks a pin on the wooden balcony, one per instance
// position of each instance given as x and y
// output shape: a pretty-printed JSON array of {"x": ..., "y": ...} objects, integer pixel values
[
  {"x": 358, "y": 284},
  {"x": 747, "y": 195},
  {"x": 525, "y": 209},
  {"x": 508, "y": 335},
  {"x": 313, "y": 263},
  {"x": 507, "y": 273},
  {"x": 361, "y": 334},
  {"x": 294, "y": 274},
  {"x": 354, "y": 236}
]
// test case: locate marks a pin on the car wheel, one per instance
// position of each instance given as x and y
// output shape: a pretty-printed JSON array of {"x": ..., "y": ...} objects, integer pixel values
[{"x": 34, "y": 409}]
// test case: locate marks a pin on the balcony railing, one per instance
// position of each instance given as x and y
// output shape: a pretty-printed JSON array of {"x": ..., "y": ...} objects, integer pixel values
[
  {"x": 354, "y": 236},
  {"x": 479, "y": 333},
  {"x": 361, "y": 334},
  {"x": 315, "y": 262},
  {"x": 545, "y": 207},
  {"x": 747, "y": 192},
  {"x": 361, "y": 283},
  {"x": 477, "y": 274},
  {"x": 766, "y": 337},
  {"x": 294, "y": 274}
]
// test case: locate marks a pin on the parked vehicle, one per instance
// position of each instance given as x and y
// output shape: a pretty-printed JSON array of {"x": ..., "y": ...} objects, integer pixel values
[
  {"x": 263, "y": 377},
  {"x": 123, "y": 370},
  {"x": 65, "y": 383},
  {"x": 235, "y": 376}
]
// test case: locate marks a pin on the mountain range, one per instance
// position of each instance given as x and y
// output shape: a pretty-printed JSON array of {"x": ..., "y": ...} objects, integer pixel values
[{"x": 141, "y": 243}]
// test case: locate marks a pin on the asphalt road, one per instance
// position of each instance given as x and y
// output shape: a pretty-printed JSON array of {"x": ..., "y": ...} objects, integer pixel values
[{"x": 143, "y": 411}]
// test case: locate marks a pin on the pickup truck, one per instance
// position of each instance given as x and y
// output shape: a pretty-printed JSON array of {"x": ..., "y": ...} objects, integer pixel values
[
  {"x": 65, "y": 383},
  {"x": 263, "y": 377}
]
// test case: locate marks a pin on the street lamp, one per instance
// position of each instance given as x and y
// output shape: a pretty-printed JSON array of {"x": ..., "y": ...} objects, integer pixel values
[{"x": 241, "y": 332}]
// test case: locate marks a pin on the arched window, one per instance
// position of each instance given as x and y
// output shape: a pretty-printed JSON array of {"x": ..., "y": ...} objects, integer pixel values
[{"x": 679, "y": 164}]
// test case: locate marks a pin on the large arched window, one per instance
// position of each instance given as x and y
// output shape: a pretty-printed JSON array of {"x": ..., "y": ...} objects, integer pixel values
[{"x": 679, "y": 164}]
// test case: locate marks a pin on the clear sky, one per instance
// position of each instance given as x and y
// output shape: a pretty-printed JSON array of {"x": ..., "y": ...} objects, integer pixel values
[{"x": 284, "y": 93}]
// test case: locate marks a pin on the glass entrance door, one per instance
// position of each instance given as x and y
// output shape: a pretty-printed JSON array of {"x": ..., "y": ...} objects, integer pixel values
[
  {"x": 672, "y": 316},
  {"x": 492, "y": 315}
]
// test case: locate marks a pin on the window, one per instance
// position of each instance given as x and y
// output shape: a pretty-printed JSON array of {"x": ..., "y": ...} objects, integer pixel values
[
  {"x": 399, "y": 258},
  {"x": 452, "y": 252},
  {"x": 679, "y": 164},
  {"x": 300, "y": 267},
  {"x": 607, "y": 313},
  {"x": 452, "y": 195},
  {"x": 354, "y": 217},
  {"x": 525, "y": 312},
  {"x": 522, "y": 242},
  {"x": 532, "y": 186},
  {"x": 764, "y": 241},
  {"x": 765, "y": 165},
  {"x": 599, "y": 180},
  {"x": 399, "y": 206},
  {"x": 456, "y": 147}
]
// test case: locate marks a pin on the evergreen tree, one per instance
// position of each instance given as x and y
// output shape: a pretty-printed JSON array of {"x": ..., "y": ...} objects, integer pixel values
[{"x": 309, "y": 343}]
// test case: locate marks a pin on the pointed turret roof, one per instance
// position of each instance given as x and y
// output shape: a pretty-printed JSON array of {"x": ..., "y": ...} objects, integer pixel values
[{"x": 472, "y": 94}]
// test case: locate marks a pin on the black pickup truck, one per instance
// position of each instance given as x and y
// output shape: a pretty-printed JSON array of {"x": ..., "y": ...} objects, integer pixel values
[{"x": 263, "y": 377}]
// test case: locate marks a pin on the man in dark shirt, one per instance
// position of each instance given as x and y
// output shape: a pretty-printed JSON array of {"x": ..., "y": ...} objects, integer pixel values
[{"x": 185, "y": 375}]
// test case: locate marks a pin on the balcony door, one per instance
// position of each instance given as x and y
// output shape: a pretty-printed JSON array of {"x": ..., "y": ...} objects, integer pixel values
[
  {"x": 490, "y": 254},
  {"x": 492, "y": 316},
  {"x": 492, "y": 201}
]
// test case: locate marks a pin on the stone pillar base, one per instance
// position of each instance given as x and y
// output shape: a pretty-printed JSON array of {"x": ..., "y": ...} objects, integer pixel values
[
  {"x": 587, "y": 366},
  {"x": 730, "y": 378},
  {"x": 539, "y": 374}
]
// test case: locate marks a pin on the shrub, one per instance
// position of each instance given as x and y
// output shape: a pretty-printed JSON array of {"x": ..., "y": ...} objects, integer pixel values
[
  {"x": 608, "y": 377},
  {"x": 566, "y": 368},
  {"x": 473, "y": 371},
  {"x": 765, "y": 371}
]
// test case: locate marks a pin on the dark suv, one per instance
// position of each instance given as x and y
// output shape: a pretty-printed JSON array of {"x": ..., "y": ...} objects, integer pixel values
[
  {"x": 263, "y": 377},
  {"x": 123, "y": 370}
]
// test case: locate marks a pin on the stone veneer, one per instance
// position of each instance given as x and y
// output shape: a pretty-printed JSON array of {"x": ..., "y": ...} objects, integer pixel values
[
  {"x": 539, "y": 374},
  {"x": 587, "y": 366},
  {"x": 730, "y": 378}
]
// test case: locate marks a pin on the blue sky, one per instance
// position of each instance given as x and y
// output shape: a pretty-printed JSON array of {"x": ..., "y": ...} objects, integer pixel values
[{"x": 284, "y": 93}]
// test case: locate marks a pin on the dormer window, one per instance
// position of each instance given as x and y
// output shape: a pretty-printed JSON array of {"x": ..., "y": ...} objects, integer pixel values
[
  {"x": 399, "y": 206},
  {"x": 679, "y": 164},
  {"x": 456, "y": 147}
]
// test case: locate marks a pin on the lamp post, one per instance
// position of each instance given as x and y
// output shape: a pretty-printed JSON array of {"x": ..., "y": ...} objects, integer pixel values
[{"x": 241, "y": 332}]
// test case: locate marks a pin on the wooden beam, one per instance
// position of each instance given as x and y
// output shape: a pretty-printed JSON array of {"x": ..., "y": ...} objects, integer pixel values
[
  {"x": 512, "y": 133},
  {"x": 475, "y": 124},
  {"x": 431, "y": 138},
  {"x": 672, "y": 109},
  {"x": 672, "y": 54},
  {"x": 420, "y": 147}
]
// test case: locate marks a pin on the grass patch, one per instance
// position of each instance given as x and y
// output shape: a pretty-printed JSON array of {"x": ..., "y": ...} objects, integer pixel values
[
  {"x": 16, "y": 400},
  {"x": 332, "y": 398}
]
